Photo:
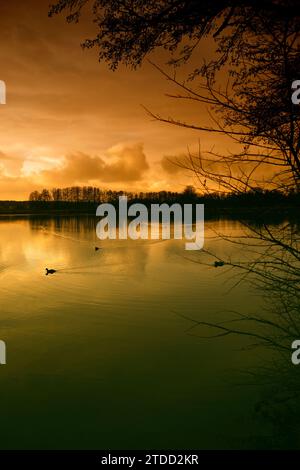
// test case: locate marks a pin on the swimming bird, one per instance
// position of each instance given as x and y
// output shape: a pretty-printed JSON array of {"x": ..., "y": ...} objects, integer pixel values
[
  {"x": 50, "y": 271},
  {"x": 97, "y": 248},
  {"x": 218, "y": 263}
]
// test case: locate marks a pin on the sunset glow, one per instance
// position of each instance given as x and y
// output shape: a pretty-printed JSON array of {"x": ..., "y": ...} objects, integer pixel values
[{"x": 69, "y": 120}]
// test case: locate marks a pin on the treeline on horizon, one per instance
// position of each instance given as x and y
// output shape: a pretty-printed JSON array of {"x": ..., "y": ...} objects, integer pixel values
[
  {"x": 85, "y": 199},
  {"x": 95, "y": 195}
]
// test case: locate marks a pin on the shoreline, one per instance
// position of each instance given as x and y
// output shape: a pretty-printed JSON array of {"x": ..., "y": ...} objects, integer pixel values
[{"x": 278, "y": 211}]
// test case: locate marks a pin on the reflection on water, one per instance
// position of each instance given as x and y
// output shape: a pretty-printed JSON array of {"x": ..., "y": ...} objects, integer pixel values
[{"x": 98, "y": 354}]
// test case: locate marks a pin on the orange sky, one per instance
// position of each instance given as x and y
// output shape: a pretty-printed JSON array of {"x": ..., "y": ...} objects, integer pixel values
[{"x": 69, "y": 120}]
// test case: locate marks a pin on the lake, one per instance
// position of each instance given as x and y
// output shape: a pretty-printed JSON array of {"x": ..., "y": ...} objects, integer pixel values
[{"x": 101, "y": 355}]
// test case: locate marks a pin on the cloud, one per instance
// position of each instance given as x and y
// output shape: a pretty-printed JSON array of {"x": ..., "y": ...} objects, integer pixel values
[
  {"x": 121, "y": 163},
  {"x": 174, "y": 165},
  {"x": 122, "y": 167},
  {"x": 16, "y": 188},
  {"x": 10, "y": 164}
]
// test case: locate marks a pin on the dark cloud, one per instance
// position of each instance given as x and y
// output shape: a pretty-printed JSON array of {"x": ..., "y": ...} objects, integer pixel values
[{"x": 174, "y": 165}]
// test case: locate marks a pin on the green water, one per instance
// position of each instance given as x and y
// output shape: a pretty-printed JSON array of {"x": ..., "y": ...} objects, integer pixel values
[{"x": 99, "y": 356}]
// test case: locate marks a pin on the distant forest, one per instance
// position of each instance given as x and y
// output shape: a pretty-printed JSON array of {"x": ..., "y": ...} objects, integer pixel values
[
  {"x": 85, "y": 199},
  {"x": 92, "y": 194},
  {"x": 96, "y": 195}
]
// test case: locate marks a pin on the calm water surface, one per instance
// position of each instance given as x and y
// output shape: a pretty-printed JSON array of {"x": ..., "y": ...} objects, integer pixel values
[{"x": 99, "y": 356}]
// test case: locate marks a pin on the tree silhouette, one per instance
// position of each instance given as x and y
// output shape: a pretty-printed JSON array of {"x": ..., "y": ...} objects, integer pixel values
[
  {"x": 253, "y": 108},
  {"x": 128, "y": 30},
  {"x": 259, "y": 43}
]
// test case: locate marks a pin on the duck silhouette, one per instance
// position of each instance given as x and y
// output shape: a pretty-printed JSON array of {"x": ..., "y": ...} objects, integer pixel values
[
  {"x": 218, "y": 263},
  {"x": 50, "y": 271}
]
